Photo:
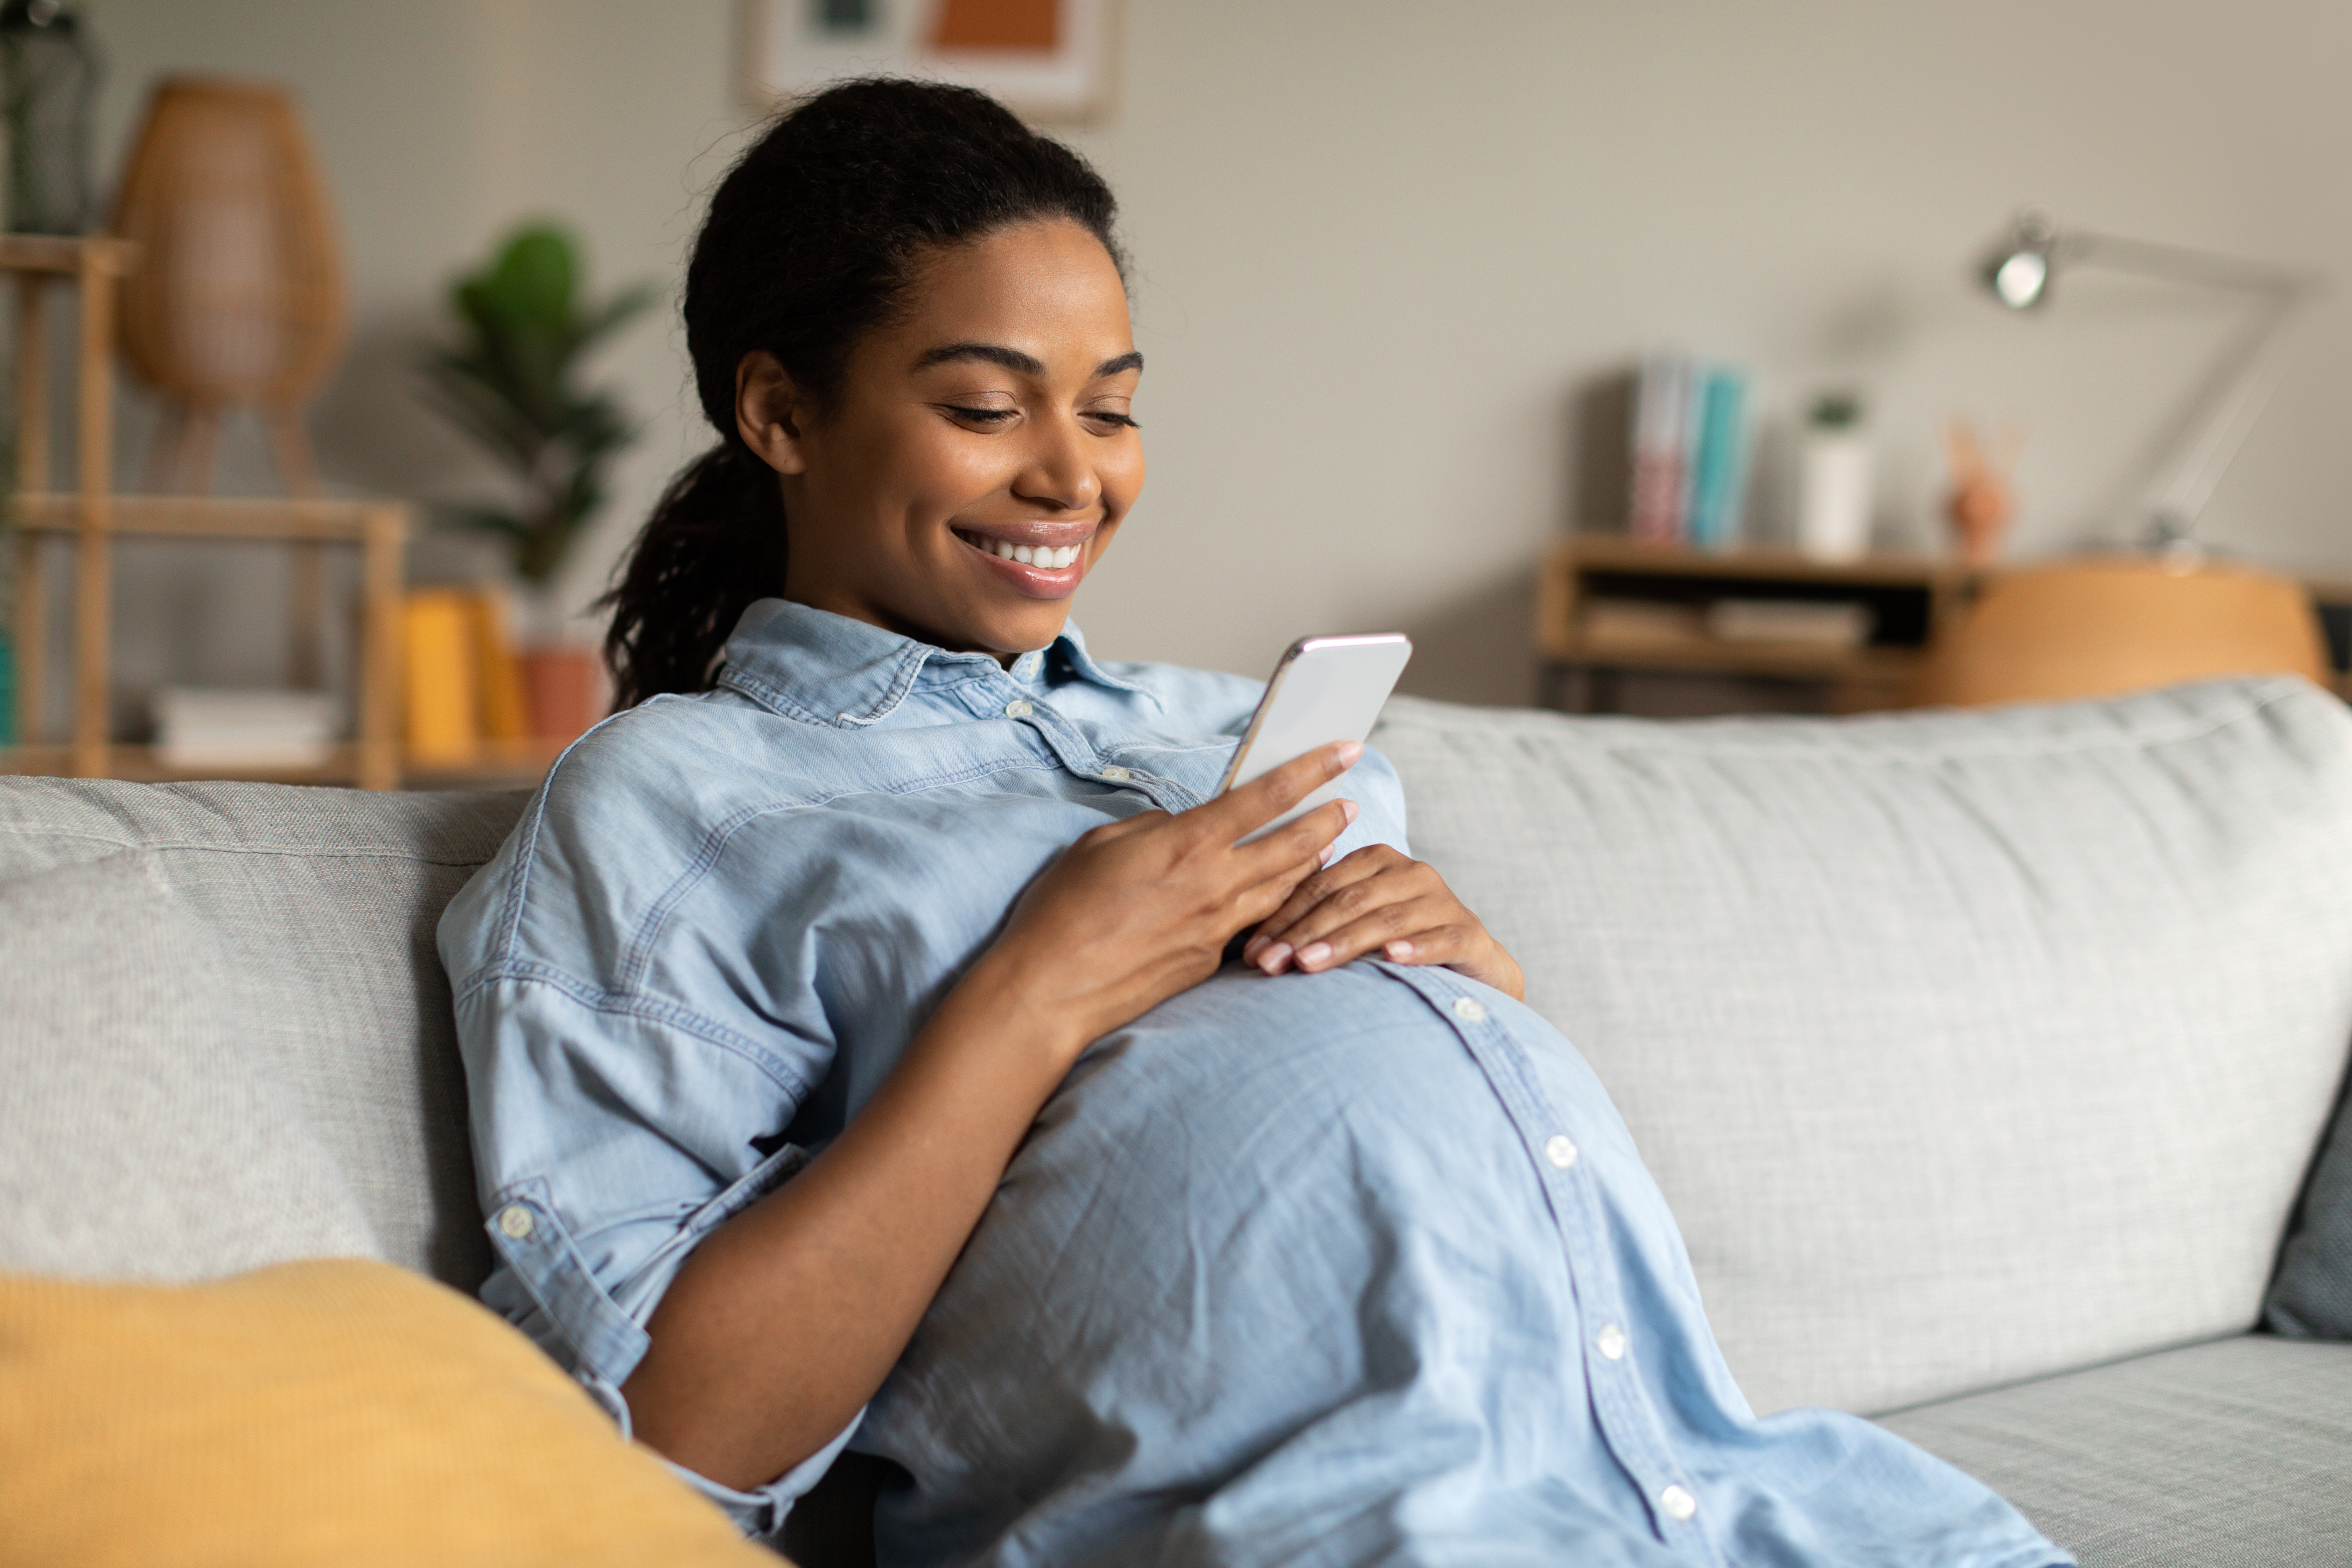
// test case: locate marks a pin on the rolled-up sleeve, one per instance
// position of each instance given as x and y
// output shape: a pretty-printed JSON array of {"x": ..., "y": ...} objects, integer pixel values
[{"x": 610, "y": 1137}]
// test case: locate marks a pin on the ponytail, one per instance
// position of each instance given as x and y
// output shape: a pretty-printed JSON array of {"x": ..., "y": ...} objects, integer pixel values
[
  {"x": 811, "y": 242},
  {"x": 715, "y": 543}
]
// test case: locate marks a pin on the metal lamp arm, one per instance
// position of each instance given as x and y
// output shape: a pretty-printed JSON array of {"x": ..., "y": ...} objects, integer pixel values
[
  {"x": 2180, "y": 264},
  {"x": 2241, "y": 385}
]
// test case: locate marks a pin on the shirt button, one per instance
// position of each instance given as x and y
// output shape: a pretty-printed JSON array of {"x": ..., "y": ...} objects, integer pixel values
[
  {"x": 1610, "y": 1343},
  {"x": 1559, "y": 1151},
  {"x": 1678, "y": 1503},
  {"x": 1116, "y": 775},
  {"x": 1469, "y": 1009},
  {"x": 515, "y": 1221},
  {"x": 1018, "y": 710}
]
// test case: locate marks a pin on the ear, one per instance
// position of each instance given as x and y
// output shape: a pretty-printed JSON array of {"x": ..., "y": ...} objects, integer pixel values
[{"x": 769, "y": 412}]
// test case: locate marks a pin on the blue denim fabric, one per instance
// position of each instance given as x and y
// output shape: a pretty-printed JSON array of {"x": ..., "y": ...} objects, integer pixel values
[{"x": 1350, "y": 1269}]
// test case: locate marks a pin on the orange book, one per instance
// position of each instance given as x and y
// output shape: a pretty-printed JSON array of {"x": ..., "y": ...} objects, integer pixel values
[
  {"x": 437, "y": 674},
  {"x": 497, "y": 677}
]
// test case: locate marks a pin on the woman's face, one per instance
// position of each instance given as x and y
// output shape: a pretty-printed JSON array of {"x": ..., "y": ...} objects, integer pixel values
[{"x": 990, "y": 422}]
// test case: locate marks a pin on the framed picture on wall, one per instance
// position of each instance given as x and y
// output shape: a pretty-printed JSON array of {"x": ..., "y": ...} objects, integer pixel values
[{"x": 1050, "y": 61}]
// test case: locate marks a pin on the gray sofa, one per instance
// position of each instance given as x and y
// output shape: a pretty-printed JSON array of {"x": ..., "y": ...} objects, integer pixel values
[{"x": 1984, "y": 1057}]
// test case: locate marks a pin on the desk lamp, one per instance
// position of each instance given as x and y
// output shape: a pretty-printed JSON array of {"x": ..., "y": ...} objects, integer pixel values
[{"x": 2020, "y": 273}]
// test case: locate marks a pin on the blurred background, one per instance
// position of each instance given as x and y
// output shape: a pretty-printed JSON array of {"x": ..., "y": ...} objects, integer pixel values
[{"x": 1399, "y": 267}]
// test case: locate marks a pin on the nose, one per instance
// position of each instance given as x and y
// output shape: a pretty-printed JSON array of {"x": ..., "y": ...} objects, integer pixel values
[{"x": 1058, "y": 469}]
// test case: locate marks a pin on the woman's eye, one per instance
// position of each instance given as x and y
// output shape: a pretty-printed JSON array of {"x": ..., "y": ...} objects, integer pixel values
[
  {"x": 1104, "y": 416},
  {"x": 979, "y": 416}
]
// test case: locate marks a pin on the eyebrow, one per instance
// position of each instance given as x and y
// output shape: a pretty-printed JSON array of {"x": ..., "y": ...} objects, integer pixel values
[{"x": 1015, "y": 359}]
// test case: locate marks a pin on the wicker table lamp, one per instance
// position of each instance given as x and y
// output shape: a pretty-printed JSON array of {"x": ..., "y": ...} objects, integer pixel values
[{"x": 238, "y": 300}]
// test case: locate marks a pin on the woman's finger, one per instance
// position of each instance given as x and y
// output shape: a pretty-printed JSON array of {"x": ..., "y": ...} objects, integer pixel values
[
  {"x": 1238, "y": 812},
  {"x": 1296, "y": 848},
  {"x": 1397, "y": 883},
  {"x": 1429, "y": 930},
  {"x": 1346, "y": 871}
]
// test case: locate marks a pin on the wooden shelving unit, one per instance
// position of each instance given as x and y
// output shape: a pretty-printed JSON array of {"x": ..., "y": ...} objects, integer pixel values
[
  {"x": 93, "y": 518},
  {"x": 378, "y": 528},
  {"x": 1584, "y": 578},
  {"x": 1909, "y": 596}
]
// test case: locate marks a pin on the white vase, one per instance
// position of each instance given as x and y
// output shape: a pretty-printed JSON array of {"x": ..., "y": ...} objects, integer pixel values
[{"x": 1833, "y": 495}]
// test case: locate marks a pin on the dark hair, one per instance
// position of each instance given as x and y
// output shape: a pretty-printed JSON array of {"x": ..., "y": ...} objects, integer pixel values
[{"x": 810, "y": 243}]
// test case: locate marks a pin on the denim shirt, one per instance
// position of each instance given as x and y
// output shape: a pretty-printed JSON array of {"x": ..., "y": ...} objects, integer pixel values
[{"x": 1347, "y": 1267}]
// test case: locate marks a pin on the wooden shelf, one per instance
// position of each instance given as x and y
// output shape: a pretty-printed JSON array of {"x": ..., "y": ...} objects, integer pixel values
[
  {"x": 203, "y": 516},
  {"x": 66, "y": 254},
  {"x": 1906, "y": 594}
]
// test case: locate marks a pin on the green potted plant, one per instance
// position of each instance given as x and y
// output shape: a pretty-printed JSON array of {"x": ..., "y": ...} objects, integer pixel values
[{"x": 513, "y": 382}]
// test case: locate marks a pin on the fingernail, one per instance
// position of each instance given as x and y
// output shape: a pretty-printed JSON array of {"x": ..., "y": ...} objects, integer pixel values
[
  {"x": 1329, "y": 851},
  {"x": 1313, "y": 953},
  {"x": 1252, "y": 948},
  {"x": 1271, "y": 959},
  {"x": 1348, "y": 752},
  {"x": 1352, "y": 810},
  {"x": 1400, "y": 950}
]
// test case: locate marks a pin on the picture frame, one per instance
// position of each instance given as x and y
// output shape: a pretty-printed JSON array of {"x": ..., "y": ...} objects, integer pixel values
[{"x": 1050, "y": 61}]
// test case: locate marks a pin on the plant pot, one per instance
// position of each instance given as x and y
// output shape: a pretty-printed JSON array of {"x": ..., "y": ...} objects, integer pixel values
[
  {"x": 563, "y": 691},
  {"x": 1834, "y": 496}
]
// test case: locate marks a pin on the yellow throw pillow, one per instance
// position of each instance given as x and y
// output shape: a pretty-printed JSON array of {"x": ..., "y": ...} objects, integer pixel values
[{"x": 332, "y": 1412}]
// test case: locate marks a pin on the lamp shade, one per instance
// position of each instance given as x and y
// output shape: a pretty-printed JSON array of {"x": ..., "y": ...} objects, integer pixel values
[
  {"x": 2019, "y": 271},
  {"x": 239, "y": 295}
]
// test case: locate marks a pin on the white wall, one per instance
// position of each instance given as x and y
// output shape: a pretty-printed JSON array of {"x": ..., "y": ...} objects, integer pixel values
[{"x": 1382, "y": 246}]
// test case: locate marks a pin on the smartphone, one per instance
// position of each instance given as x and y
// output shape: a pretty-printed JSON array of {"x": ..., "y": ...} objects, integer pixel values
[{"x": 1323, "y": 690}]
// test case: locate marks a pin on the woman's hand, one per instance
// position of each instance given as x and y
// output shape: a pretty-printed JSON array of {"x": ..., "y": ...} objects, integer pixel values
[
  {"x": 1138, "y": 910},
  {"x": 1377, "y": 900}
]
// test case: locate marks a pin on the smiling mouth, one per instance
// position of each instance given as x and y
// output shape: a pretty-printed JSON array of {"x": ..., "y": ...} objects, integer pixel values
[{"x": 1043, "y": 557}]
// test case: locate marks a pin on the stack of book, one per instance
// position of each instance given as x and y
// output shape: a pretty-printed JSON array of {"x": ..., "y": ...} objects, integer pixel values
[
  {"x": 201, "y": 727},
  {"x": 1805, "y": 622},
  {"x": 1690, "y": 441},
  {"x": 468, "y": 696},
  {"x": 461, "y": 683}
]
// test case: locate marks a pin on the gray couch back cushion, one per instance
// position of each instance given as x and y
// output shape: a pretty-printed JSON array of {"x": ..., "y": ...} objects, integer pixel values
[
  {"x": 139, "y": 1137},
  {"x": 323, "y": 904},
  {"x": 1966, "y": 1047}
]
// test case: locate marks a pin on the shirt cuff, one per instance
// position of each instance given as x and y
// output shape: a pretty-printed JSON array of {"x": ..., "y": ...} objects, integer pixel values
[{"x": 760, "y": 1513}]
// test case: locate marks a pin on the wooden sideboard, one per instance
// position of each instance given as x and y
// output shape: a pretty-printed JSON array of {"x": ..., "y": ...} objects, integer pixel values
[{"x": 1608, "y": 608}]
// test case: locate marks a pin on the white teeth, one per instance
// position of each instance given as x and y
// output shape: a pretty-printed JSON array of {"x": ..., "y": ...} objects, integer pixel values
[{"x": 1043, "y": 556}]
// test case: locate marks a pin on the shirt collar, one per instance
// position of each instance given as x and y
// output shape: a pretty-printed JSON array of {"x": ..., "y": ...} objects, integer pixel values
[{"x": 824, "y": 669}]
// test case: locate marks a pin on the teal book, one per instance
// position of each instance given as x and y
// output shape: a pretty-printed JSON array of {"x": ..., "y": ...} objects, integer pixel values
[{"x": 1718, "y": 478}]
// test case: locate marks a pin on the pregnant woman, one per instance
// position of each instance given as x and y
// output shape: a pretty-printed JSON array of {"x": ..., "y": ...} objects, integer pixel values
[{"x": 878, "y": 1041}]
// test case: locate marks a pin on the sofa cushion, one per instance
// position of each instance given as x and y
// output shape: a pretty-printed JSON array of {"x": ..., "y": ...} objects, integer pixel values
[
  {"x": 324, "y": 904},
  {"x": 2312, "y": 1298},
  {"x": 139, "y": 1138},
  {"x": 2228, "y": 1455},
  {"x": 1966, "y": 1046},
  {"x": 326, "y": 1412}
]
